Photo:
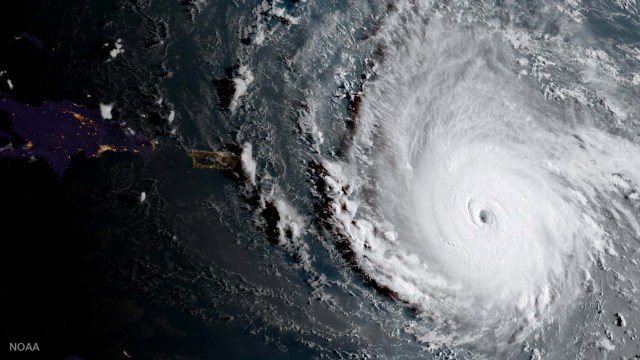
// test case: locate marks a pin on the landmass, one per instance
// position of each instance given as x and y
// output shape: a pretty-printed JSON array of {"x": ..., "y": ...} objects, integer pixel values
[
  {"x": 58, "y": 131},
  {"x": 223, "y": 160}
]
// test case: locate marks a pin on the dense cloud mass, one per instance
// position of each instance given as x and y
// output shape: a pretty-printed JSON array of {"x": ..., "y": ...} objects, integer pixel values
[{"x": 481, "y": 201}]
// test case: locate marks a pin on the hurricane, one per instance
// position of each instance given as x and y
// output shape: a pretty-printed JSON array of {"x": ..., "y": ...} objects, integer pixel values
[
  {"x": 487, "y": 169},
  {"x": 482, "y": 205}
]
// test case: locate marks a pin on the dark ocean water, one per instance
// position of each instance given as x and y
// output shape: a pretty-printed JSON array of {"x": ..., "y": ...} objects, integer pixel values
[{"x": 324, "y": 105}]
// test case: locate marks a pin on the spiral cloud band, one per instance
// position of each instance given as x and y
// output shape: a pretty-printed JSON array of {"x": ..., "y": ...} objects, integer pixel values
[{"x": 472, "y": 197}]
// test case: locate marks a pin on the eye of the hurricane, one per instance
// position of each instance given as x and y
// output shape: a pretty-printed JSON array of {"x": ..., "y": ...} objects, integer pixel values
[
  {"x": 484, "y": 216},
  {"x": 481, "y": 215}
]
